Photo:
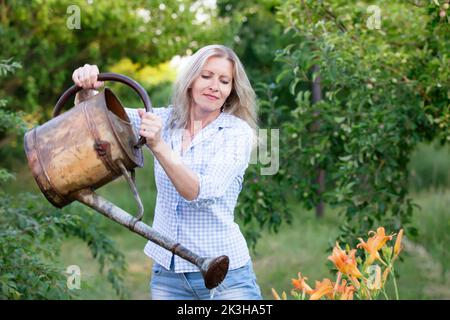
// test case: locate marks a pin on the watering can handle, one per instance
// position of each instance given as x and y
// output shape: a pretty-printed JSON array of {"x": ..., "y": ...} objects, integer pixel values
[{"x": 105, "y": 77}]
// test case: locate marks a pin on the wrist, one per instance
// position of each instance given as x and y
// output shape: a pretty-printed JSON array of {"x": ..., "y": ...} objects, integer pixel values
[{"x": 156, "y": 147}]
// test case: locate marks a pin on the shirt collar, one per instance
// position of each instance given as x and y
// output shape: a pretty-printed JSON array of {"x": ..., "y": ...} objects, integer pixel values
[{"x": 224, "y": 120}]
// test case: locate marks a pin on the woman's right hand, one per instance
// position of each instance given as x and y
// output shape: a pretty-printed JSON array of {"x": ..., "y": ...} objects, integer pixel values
[{"x": 86, "y": 77}]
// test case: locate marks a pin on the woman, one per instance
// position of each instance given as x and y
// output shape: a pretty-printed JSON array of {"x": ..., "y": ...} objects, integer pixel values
[{"x": 202, "y": 144}]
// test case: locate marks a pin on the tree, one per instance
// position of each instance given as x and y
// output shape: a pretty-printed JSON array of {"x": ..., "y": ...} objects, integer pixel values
[
  {"x": 383, "y": 91},
  {"x": 381, "y": 97}
]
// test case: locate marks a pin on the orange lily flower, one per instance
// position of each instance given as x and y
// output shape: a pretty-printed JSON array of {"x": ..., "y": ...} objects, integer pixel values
[
  {"x": 374, "y": 244},
  {"x": 398, "y": 244},
  {"x": 300, "y": 284},
  {"x": 275, "y": 294},
  {"x": 345, "y": 263},
  {"x": 348, "y": 293},
  {"x": 345, "y": 291},
  {"x": 380, "y": 238},
  {"x": 339, "y": 288},
  {"x": 370, "y": 248},
  {"x": 324, "y": 288}
]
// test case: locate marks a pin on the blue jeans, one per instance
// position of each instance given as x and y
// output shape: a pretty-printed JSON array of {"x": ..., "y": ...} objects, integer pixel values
[{"x": 239, "y": 284}]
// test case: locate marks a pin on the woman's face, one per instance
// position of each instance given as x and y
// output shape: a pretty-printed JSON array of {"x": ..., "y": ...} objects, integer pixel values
[{"x": 213, "y": 85}]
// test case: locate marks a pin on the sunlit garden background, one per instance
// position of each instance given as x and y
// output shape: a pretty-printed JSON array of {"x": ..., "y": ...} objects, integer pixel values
[{"x": 358, "y": 90}]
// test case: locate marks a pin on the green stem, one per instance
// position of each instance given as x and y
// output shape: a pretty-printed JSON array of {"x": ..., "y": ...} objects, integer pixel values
[
  {"x": 385, "y": 295},
  {"x": 364, "y": 289},
  {"x": 395, "y": 284},
  {"x": 368, "y": 293},
  {"x": 382, "y": 261}
]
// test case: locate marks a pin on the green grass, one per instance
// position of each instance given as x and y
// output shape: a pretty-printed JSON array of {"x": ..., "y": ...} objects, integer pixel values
[
  {"x": 434, "y": 224},
  {"x": 94, "y": 284},
  {"x": 299, "y": 247},
  {"x": 429, "y": 167}
]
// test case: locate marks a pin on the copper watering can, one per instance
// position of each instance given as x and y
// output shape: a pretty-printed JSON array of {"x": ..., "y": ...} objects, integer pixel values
[{"x": 90, "y": 145}]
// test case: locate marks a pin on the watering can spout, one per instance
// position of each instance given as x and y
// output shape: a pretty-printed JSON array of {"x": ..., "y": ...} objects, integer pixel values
[{"x": 213, "y": 270}]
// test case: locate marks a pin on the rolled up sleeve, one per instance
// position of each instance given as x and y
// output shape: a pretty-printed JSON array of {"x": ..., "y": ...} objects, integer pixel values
[{"x": 135, "y": 120}]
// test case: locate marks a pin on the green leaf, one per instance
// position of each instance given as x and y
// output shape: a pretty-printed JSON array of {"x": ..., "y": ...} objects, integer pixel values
[
  {"x": 346, "y": 158},
  {"x": 339, "y": 119}
]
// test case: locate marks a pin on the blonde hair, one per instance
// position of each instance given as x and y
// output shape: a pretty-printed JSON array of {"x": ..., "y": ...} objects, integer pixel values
[{"x": 241, "y": 101}]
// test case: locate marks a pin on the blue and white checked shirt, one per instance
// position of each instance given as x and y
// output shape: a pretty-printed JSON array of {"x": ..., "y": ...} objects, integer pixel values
[{"x": 219, "y": 154}]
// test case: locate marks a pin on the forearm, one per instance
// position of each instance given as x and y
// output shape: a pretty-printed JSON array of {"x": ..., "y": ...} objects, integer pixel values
[{"x": 185, "y": 180}]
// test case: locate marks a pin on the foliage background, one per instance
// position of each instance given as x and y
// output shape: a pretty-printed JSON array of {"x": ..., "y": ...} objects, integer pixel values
[{"x": 379, "y": 133}]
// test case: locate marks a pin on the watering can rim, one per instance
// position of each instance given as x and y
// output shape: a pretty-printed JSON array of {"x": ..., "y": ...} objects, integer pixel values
[{"x": 134, "y": 154}]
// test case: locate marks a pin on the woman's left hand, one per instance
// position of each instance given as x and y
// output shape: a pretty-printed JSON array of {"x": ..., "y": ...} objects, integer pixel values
[{"x": 151, "y": 126}]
